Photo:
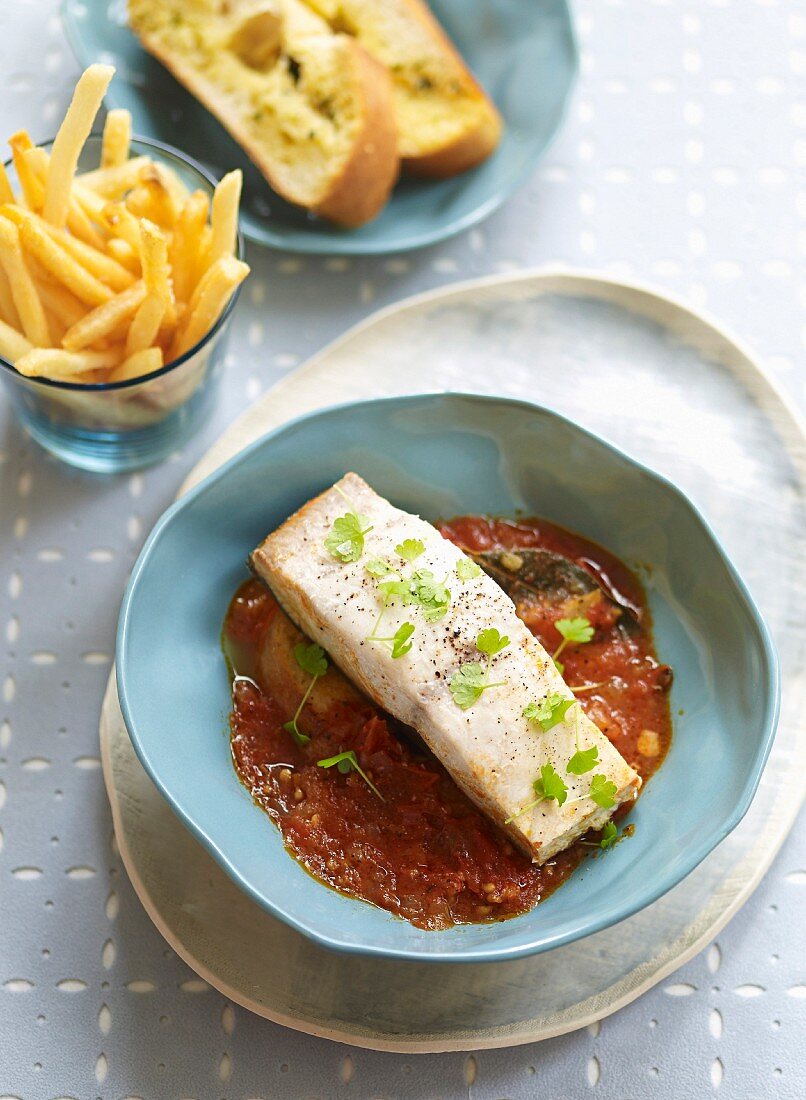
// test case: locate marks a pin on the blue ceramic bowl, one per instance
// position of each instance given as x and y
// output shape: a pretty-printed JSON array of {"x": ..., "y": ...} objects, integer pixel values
[
  {"x": 444, "y": 455},
  {"x": 523, "y": 52}
]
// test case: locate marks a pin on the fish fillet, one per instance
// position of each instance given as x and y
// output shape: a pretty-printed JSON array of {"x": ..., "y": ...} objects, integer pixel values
[{"x": 490, "y": 749}]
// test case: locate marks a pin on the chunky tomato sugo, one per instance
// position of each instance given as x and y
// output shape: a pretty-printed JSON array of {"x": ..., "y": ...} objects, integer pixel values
[{"x": 425, "y": 851}]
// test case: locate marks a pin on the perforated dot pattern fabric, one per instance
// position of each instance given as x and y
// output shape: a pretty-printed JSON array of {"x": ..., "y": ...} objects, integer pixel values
[{"x": 681, "y": 162}]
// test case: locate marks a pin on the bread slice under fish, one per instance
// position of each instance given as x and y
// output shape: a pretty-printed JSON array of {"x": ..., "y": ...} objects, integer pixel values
[
  {"x": 490, "y": 749},
  {"x": 310, "y": 107},
  {"x": 446, "y": 122}
]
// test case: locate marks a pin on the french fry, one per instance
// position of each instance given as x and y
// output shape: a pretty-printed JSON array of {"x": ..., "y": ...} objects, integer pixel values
[
  {"x": 200, "y": 288},
  {"x": 23, "y": 290},
  {"x": 154, "y": 260},
  {"x": 224, "y": 276},
  {"x": 112, "y": 183},
  {"x": 61, "y": 264},
  {"x": 104, "y": 322},
  {"x": 90, "y": 203},
  {"x": 117, "y": 138},
  {"x": 183, "y": 252},
  {"x": 65, "y": 365},
  {"x": 69, "y": 141},
  {"x": 78, "y": 222},
  {"x": 100, "y": 265},
  {"x": 145, "y": 326},
  {"x": 175, "y": 185},
  {"x": 60, "y": 303},
  {"x": 32, "y": 188},
  {"x": 120, "y": 221},
  {"x": 6, "y": 190},
  {"x": 167, "y": 191},
  {"x": 8, "y": 311},
  {"x": 140, "y": 204},
  {"x": 141, "y": 362},
  {"x": 82, "y": 228},
  {"x": 13, "y": 345},
  {"x": 36, "y": 162},
  {"x": 125, "y": 255},
  {"x": 203, "y": 253},
  {"x": 226, "y": 198}
]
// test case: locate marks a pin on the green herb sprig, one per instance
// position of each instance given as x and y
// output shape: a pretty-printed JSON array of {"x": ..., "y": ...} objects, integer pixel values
[
  {"x": 471, "y": 679},
  {"x": 420, "y": 588},
  {"x": 579, "y": 689},
  {"x": 549, "y": 711},
  {"x": 347, "y": 762},
  {"x": 311, "y": 659},
  {"x": 345, "y": 542},
  {"x": 467, "y": 570},
  {"x": 603, "y": 791},
  {"x": 548, "y": 787},
  {"x": 609, "y": 838},
  {"x": 573, "y": 632},
  {"x": 583, "y": 760},
  {"x": 410, "y": 549},
  {"x": 491, "y": 642},
  {"x": 399, "y": 643}
]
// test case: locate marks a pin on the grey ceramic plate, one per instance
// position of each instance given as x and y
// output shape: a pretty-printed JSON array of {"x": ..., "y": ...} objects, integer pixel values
[
  {"x": 523, "y": 51},
  {"x": 735, "y": 447}
]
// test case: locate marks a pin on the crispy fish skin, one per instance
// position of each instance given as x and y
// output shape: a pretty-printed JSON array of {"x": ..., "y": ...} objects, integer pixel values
[{"x": 490, "y": 749}]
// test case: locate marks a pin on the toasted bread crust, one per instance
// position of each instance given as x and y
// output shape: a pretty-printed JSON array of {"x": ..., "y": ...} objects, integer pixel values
[
  {"x": 362, "y": 187},
  {"x": 476, "y": 142},
  {"x": 468, "y": 150}
]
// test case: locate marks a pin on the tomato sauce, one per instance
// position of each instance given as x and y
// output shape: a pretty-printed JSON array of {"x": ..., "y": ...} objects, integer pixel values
[{"x": 426, "y": 852}]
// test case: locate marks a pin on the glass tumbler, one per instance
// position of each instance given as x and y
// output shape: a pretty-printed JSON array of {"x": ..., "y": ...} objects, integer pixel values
[{"x": 111, "y": 427}]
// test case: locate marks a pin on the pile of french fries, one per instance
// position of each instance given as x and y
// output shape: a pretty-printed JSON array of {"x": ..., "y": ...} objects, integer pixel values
[{"x": 108, "y": 275}]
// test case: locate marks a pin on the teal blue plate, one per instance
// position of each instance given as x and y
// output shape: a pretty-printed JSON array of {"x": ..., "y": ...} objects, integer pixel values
[
  {"x": 444, "y": 455},
  {"x": 523, "y": 51}
]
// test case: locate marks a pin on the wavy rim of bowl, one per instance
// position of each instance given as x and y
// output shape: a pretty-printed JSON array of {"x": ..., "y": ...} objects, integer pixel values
[
  {"x": 128, "y": 383},
  {"x": 576, "y": 928}
]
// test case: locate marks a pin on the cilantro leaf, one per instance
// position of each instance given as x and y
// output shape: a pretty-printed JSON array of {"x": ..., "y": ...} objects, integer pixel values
[
  {"x": 410, "y": 549},
  {"x": 467, "y": 569},
  {"x": 311, "y": 659},
  {"x": 549, "y": 711},
  {"x": 583, "y": 760},
  {"x": 292, "y": 728},
  {"x": 377, "y": 567},
  {"x": 346, "y": 539},
  {"x": 342, "y": 760},
  {"x": 400, "y": 642},
  {"x": 402, "y": 589},
  {"x": 575, "y": 630},
  {"x": 433, "y": 596},
  {"x": 432, "y": 613},
  {"x": 550, "y": 785},
  {"x": 491, "y": 642},
  {"x": 609, "y": 836},
  {"x": 602, "y": 791},
  {"x": 347, "y": 762},
  {"x": 467, "y": 684}
]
